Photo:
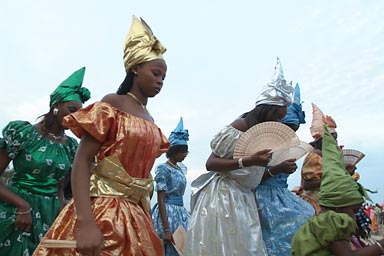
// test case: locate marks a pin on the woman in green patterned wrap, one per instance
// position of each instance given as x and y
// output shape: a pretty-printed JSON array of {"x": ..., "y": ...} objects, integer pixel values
[{"x": 41, "y": 155}]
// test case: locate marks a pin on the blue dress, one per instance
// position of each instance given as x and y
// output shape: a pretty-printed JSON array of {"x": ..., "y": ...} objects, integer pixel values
[
  {"x": 173, "y": 182},
  {"x": 282, "y": 214}
]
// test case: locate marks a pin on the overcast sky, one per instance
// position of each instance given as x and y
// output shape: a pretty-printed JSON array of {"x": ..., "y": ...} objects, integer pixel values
[{"x": 220, "y": 54}]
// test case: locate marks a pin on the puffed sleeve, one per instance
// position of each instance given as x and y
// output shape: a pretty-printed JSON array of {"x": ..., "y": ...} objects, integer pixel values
[
  {"x": 14, "y": 136},
  {"x": 164, "y": 144},
  {"x": 161, "y": 178},
  {"x": 223, "y": 143},
  {"x": 97, "y": 119},
  {"x": 332, "y": 226}
]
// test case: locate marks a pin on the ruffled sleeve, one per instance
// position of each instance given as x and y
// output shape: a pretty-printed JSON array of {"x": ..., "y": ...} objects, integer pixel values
[
  {"x": 315, "y": 236},
  {"x": 223, "y": 144},
  {"x": 98, "y": 119},
  {"x": 161, "y": 178},
  {"x": 332, "y": 226},
  {"x": 14, "y": 136}
]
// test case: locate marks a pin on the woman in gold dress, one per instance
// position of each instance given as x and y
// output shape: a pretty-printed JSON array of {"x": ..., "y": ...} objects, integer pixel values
[{"x": 110, "y": 212}]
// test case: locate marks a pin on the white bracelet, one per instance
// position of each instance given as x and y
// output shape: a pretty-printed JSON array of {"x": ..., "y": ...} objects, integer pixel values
[
  {"x": 270, "y": 173},
  {"x": 241, "y": 165}
]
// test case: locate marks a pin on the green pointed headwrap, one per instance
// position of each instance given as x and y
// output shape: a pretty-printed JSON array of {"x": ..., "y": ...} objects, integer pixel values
[
  {"x": 337, "y": 188},
  {"x": 70, "y": 89}
]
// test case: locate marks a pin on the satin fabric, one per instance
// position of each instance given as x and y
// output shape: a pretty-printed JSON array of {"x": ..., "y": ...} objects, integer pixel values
[
  {"x": 282, "y": 214},
  {"x": 39, "y": 165},
  {"x": 315, "y": 236},
  {"x": 312, "y": 170},
  {"x": 225, "y": 218},
  {"x": 126, "y": 227}
]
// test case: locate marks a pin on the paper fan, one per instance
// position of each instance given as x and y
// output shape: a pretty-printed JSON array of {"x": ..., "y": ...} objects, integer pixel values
[
  {"x": 180, "y": 238},
  {"x": 295, "y": 152},
  {"x": 273, "y": 135},
  {"x": 352, "y": 156}
]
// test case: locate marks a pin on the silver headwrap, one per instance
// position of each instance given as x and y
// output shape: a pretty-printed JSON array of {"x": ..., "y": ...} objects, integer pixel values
[{"x": 278, "y": 91}]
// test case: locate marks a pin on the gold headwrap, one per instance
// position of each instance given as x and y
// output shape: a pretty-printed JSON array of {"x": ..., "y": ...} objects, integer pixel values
[{"x": 141, "y": 45}]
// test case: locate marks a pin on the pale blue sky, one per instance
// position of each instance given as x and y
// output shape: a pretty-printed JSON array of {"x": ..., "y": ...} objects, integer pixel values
[{"x": 220, "y": 54}]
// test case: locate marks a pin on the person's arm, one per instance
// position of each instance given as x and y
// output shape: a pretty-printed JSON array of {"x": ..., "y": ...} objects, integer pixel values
[
  {"x": 89, "y": 237},
  {"x": 288, "y": 166},
  {"x": 163, "y": 215},
  {"x": 342, "y": 248},
  {"x": 220, "y": 164},
  {"x": 23, "y": 215},
  {"x": 60, "y": 194}
]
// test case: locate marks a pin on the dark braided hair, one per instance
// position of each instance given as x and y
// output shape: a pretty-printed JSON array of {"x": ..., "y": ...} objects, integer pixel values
[
  {"x": 48, "y": 120},
  {"x": 262, "y": 113},
  {"x": 126, "y": 85}
]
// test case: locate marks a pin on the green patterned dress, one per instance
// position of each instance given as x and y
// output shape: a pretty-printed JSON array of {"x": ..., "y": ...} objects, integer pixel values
[{"x": 39, "y": 165}]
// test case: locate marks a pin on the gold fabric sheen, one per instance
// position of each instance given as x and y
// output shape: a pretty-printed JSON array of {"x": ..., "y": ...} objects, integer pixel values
[
  {"x": 141, "y": 45},
  {"x": 129, "y": 145},
  {"x": 111, "y": 180}
]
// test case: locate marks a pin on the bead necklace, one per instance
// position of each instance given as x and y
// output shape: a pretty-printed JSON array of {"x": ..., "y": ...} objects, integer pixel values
[
  {"x": 60, "y": 137},
  {"x": 173, "y": 165},
  {"x": 136, "y": 99}
]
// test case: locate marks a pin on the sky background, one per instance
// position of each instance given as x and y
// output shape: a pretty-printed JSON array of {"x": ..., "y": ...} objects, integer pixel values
[{"x": 220, "y": 54}]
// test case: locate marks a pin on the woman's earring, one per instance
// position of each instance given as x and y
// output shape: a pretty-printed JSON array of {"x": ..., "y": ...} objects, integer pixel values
[
  {"x": 135, "y": 73},
  {"x": 55, "y": 111}
]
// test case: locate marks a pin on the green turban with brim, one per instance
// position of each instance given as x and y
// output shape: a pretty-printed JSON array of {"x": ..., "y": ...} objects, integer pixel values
[
  {"x": 70, "y": 89},
  {"x": 337, "y": 188}
]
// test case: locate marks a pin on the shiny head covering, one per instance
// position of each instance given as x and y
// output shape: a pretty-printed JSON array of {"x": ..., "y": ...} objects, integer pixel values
[
  {"x": 70, "y": 89},
  {"x": 179, "y": 136},
  {"x": 295, "y": 114},
  {"x": 278, "y": 91},
  {"x": 318, "y": 121},
  {"x": 141, "y": 45},
  {"x": 337, "y": 188}
]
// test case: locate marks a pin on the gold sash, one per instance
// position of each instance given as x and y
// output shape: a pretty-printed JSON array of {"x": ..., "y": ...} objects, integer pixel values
[{"x": 109, "y": 179}]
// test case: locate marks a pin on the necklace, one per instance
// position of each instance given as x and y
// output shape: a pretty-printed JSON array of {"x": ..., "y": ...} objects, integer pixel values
[
  {"x": 60, "y": 137},
  {"x": 136, "y": 99},
  {"x": 173, "y": 165}
]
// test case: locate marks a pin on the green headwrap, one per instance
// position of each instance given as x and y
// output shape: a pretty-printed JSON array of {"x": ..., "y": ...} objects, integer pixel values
[
  {"x": 337, "y": 188},
  {"x": 70, "y": 89}
]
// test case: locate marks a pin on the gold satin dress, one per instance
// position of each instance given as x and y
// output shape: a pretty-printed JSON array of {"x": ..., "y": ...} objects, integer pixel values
[{"x": 120, "y": 183}]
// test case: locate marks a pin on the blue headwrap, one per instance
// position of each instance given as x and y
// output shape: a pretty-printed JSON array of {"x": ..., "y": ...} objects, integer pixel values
[
  {"x": 295, "y": 114},
  {"x": 179, "y": 136}
]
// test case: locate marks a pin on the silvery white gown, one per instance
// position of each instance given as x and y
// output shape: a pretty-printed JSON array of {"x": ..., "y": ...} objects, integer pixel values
[{"x": 225, "y": 219}]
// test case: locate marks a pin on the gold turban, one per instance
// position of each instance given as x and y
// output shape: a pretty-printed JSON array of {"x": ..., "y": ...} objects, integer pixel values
[{"x": 141, "y": 45}]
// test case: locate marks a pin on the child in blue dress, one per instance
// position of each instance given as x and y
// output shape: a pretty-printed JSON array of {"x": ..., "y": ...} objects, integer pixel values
[{"x": 169, "y": 212}]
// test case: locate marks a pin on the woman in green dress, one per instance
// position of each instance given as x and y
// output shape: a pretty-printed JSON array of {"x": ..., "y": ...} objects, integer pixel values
[
  {"x": 41, "y": 155},
  {"x": 340, "y": 197}
]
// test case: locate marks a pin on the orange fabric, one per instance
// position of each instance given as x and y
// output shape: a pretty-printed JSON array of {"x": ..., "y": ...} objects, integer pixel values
[{"x": 126, "y": 227}]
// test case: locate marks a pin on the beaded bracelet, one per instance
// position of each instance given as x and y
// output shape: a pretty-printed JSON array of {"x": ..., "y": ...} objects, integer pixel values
[
  {"x": 381, "y": 247},
  {"x": 23, "y": 213}
]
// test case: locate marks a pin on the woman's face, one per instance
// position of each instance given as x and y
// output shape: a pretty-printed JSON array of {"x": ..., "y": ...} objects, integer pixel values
[
  {"x": 66, "y": 108},
  {"x": 150, "y": 76}
]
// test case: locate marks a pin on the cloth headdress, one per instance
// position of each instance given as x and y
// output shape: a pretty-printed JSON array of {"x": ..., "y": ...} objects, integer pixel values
[
  {"x": 318, "y": 121},
  {"x": 70, "y": 89},
  {"x": 337, "y": 188},
  {"x": 278, "y": 91},
  {"x": 179, "y": 136},
  {"x": 295, "y": 114},
  {"x": 141, "y": 45}
]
